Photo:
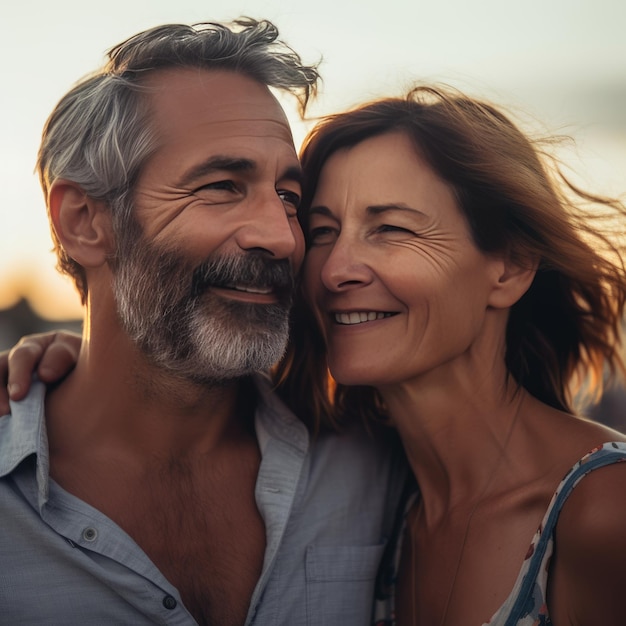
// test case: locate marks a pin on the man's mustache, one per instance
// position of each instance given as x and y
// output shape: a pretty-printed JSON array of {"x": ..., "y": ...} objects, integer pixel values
[{"x": 249, "y": 270}]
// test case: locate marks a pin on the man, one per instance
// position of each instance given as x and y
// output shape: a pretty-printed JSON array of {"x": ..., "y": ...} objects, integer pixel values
[{"x": 163, "y": 481}]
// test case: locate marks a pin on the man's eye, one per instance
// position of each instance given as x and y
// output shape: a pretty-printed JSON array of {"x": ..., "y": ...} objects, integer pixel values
[
  {"x": 218, "y": 185},
  {"x": 290, "y": 197}
]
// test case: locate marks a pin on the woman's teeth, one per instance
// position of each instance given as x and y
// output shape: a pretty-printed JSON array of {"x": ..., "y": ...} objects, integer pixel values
[{"x": 358, "y": 317}]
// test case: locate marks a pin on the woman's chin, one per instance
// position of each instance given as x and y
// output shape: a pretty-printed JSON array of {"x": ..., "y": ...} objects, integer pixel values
[{"x": 353, "y": 376}]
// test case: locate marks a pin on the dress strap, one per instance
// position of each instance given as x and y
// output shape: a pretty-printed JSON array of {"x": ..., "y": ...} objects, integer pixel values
[{"x": 606, "y": 454}]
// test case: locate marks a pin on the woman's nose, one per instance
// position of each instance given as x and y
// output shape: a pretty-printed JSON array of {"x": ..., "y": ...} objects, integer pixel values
[{"x": 345, "y": 267}]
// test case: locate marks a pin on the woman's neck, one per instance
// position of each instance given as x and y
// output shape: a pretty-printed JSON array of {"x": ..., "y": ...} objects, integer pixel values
[{"x": 458, "y": 438}]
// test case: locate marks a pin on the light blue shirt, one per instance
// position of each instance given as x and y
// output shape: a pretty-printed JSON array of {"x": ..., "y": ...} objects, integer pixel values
[{"x": 328, "y": 508}]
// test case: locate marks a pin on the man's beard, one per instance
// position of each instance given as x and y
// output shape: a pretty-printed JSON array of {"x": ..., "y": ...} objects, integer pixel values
[{"x": 166, "y": 306}]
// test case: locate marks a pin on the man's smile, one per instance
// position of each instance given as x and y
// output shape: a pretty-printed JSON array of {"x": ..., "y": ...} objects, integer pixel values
[{"x": 248, "y": 293}]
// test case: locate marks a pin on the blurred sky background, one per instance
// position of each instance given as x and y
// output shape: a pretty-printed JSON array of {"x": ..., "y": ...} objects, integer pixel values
[{"x": 558, "y": 62}]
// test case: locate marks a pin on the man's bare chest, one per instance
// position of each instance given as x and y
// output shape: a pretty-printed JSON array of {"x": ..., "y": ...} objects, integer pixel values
[
  {"x": 212, "y": 553},
  {"x": 204, "y": 532},
  {"x": 200, "y": 526}
]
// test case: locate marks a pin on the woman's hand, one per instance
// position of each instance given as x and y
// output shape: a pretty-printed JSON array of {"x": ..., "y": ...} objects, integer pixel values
[{"x": 51, "y": 355}]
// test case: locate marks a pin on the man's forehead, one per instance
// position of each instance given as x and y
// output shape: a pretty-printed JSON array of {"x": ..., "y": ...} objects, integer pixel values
[{"x": 183, "y": 96}]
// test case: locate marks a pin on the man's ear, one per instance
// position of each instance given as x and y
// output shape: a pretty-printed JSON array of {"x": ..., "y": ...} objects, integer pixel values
[
  {"x": 513, "y": 281},
  {"x": 83, "y": 225}
]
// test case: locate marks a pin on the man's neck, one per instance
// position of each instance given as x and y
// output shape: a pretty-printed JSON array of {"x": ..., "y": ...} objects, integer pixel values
[{"x": 116, "y": 395}]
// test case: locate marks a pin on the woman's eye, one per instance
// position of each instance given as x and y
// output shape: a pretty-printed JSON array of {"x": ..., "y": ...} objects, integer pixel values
[
  {"x": 321, "y": 235},
  {"x": 390, "y": 228}
]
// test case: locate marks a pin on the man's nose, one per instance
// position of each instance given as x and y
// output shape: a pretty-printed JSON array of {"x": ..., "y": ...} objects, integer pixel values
[{"x": 269, "y": 228}]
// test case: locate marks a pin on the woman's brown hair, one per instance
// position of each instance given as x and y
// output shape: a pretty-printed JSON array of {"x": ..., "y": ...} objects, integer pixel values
[{"x": 517, "y": 202}]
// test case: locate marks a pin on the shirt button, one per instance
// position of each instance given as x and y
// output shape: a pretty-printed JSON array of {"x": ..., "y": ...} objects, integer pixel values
[
  {"x": 90, "y": 534},
  {"x": 169, "y": 602}
]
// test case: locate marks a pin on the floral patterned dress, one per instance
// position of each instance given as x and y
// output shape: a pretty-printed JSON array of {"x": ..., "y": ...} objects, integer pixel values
[{"x": 526, "y": 604}]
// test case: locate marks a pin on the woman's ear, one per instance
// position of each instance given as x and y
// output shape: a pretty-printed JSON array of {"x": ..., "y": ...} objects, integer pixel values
[
  {"x": 82, "y": 225},
  {"x": 513, "y": 281}
]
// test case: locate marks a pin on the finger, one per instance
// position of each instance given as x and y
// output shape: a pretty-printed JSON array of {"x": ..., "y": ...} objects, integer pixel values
[
  {"x": 4, "y": 393},
  {"x": 22, "y": 361},
  {"x": 60, "y": 358}
]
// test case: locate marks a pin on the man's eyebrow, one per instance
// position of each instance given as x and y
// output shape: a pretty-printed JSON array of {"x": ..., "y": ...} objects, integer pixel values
[
  {"x": 221, "y": 163},
  {"x": 293, "y": 173},
  {"x": 215, "y": 164}
]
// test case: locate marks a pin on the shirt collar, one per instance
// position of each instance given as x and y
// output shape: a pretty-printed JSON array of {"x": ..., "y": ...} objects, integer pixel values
[
  {"x": 274, "y": 419},
  {"x": 22, "y": 433}
]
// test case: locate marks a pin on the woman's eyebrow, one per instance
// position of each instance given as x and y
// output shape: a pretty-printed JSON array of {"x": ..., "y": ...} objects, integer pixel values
[
  {"x": 373, "y": 209},
  {"x": 320, "y": 209},
  {"x": 378, "y": 209}
]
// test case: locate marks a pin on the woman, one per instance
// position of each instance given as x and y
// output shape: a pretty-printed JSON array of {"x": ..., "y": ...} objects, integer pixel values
[
  {"x": 460, "y": 291},
  {"x": 456, "y": 291}
]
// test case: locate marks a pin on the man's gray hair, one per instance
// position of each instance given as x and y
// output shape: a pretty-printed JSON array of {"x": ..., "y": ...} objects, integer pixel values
[{"x": 99, "y": 135}]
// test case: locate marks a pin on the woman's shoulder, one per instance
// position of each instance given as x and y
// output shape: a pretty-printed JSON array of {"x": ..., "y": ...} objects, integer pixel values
[
  {"x": 598, "y": 502},
  {"x": 588, "y": 574}
]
